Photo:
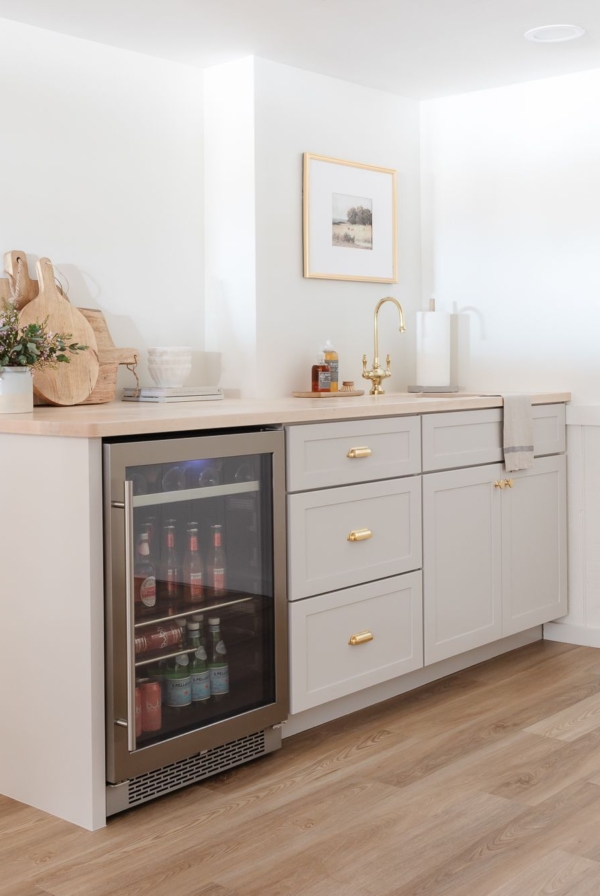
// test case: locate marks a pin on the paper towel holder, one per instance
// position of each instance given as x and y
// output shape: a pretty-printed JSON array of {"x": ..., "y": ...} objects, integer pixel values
[{"x": 433, "y": 388}]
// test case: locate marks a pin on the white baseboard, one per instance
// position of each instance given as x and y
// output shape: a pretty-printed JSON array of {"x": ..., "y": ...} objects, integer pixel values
[
  {"x": 335, "y": 709},
  {"x": 572, "y": 634}
]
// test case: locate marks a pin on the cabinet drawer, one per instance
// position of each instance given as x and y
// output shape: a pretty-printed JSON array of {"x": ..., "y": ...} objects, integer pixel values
[
  {"x": 322, "y": 557},
  {"x": 325, "y": 666},
  {"x": 468, "y": 438},
  {"x": 321, "y": 455}
]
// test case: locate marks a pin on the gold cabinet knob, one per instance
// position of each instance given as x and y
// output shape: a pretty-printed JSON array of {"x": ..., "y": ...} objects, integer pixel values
[
  {"x": 360, "y": 638},
  {"x": 509, "y": 482},
  {"x": 360, "y": 535},
  {"x": 500, "y": 483},
  {"x": 359, "y": 452}
]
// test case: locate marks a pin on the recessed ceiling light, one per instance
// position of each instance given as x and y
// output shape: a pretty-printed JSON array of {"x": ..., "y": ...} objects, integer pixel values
[{"x": 552, "y": 34}]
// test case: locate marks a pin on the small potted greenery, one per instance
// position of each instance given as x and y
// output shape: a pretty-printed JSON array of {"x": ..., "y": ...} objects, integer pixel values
[{"x": 24, "y": 349}]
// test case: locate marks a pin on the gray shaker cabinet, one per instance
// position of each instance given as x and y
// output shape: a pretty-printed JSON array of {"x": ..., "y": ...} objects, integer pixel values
[
  {"x": 462, "y": 560},
  {"x": 494, "y": 559},
  {"x": 534, "y": 545},
  {"x": 354, "y": 556}
]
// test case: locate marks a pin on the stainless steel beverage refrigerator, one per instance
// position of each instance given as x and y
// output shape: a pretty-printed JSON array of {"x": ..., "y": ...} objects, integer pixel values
[{"x": 196, "y": 618}]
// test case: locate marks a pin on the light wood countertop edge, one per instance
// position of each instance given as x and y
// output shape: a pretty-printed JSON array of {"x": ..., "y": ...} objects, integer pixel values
[{"x": 131, "y": 419}]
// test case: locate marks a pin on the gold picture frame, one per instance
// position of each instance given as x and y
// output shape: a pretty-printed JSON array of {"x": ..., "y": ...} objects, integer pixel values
[{"x": 334, "y": 248}]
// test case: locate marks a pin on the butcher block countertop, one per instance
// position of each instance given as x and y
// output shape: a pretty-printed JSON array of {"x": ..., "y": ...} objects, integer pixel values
[{"x": 120, "y": 418}]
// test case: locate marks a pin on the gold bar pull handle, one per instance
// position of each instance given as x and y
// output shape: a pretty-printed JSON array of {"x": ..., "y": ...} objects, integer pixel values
[
  {"x": 360, "y": 535},
  {"x": 359, "y": 452},
  {"x": 360, "y": 638}
]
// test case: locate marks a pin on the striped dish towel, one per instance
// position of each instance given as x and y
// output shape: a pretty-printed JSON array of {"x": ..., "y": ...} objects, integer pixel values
[{"x": 518, "y": 432}]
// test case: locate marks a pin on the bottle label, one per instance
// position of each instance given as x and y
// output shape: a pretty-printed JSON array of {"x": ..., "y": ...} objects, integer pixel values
[
  {"x": 200, "y": 685},
  {"x": 201, "y": 653},
  {"x": 333, "y": 370},
  {"x": 179, "y": 691},
  {"x": 219, "y": 579},
  {"x": 324, "y": 379},
  {"x": 196, "y": 584},
  {"x": 219, "y": 680},
  {"x": 183, "y": 659},
  {"x": 220, "y": 648},
  {"x": 148, "y": 591}
]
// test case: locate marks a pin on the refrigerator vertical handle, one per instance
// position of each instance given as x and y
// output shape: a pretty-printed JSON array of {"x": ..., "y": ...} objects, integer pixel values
[{"x": 130, "y": 615}]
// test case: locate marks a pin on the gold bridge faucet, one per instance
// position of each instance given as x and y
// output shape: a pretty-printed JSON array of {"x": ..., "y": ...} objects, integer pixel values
[{"x": 377, "y": 374}]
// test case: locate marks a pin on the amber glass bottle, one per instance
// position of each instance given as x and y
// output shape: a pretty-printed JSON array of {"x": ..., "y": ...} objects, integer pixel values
[
  {"x": 170, "y": 586},
  {"x": 216, "y": 570},
  {"x": 193, "y": 570},
  {"x": 320, "y": 375}
]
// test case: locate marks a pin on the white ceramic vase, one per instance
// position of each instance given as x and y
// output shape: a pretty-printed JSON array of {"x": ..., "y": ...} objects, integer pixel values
[{"x": 16, "y": 390}]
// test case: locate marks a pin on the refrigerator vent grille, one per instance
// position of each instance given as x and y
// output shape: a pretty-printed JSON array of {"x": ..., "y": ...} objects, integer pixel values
[{"x": 195, "y": 768}]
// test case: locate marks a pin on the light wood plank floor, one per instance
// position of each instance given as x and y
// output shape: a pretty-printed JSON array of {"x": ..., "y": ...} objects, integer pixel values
[{"x": 484, "y": 784}]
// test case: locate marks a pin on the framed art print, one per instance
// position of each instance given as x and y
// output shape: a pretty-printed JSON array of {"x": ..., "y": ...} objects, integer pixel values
[{"x": 350, "y": 221}]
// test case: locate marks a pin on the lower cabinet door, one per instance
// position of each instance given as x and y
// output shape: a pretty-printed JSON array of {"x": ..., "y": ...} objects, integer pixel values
[
  {"x": 534, "y": 545},
  {"x": 462, "y": 567},
  {"x": 355, "y": 638}
]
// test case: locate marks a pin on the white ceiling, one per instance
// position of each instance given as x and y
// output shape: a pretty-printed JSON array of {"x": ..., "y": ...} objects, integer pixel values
[{"x": 417, "y": 48}]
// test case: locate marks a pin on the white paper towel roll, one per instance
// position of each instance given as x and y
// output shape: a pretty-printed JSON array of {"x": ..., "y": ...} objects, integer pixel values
[{"x": 433, "y": 348}]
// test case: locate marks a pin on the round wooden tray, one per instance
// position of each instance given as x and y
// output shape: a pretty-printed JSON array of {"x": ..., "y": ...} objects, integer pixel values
[{"x": 339, "y": 394}]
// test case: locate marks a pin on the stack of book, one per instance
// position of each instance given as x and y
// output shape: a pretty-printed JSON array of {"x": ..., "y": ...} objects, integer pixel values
[{"x": 173, "y": 393}]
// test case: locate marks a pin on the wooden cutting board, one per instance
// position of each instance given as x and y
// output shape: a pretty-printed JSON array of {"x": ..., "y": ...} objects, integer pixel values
[
  {"x": 26, "y": 289},
  {"x": 70, "y": 383},
  {"x": 109, "y": 357}
]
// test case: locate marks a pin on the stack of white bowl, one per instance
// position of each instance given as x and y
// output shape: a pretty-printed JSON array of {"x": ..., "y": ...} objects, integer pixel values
[{"x": 170, "y": 365}]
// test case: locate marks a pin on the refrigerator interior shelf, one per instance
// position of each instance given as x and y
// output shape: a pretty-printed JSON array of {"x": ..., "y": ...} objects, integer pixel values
[
  {"x": 191, "y": 494},
  {"x": 196, "y": 608},
  {"x": 149, "y": 658}
]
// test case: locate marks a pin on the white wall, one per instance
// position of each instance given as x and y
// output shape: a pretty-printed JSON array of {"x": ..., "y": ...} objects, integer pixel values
[
  {"x": 297, "y": 112},
  {"x": 511, "y": 188},
  {"x": 230, "y": 243},
  {"x": 101, "y": 170}
]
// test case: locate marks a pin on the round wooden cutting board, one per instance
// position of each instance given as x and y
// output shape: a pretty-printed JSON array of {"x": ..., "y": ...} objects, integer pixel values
[{"x": 70, "y": 383}]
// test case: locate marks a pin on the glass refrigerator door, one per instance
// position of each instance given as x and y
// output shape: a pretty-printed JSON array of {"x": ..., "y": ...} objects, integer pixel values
[{"x": 200, "y": 621}]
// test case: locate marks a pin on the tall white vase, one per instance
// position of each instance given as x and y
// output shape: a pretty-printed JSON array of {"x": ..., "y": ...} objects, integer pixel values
[{"x": 16, "y": 390}]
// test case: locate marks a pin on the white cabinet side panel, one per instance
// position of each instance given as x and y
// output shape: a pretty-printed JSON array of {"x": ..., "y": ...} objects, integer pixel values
[
  {"x": 592, "y": 525},
  {"x": 576, "y": 525},
  {"x": 52, "y": 746}
]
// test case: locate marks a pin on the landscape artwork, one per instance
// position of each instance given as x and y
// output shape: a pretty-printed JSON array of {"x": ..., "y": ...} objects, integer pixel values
[{"x": 352, "y": 221}]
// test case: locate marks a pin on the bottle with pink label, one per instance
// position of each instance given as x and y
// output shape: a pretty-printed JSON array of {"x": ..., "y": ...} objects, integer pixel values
[
  {"x": 144, "y": 577},
  {"x": 193, "y": 568}
]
